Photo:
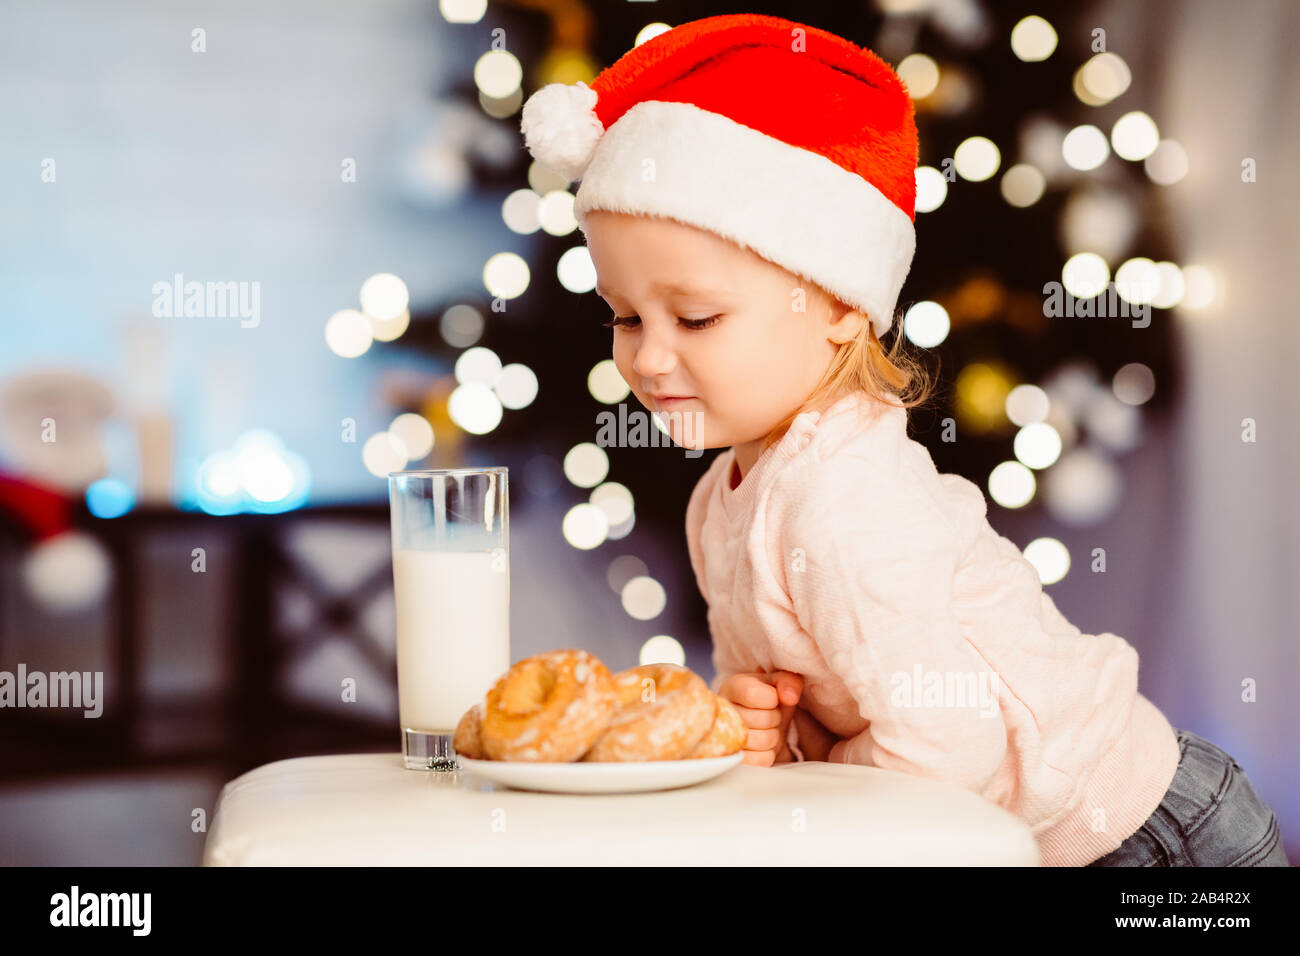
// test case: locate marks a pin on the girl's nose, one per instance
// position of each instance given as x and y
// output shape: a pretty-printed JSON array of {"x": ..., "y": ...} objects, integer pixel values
[{"x": 653, "y": 358}]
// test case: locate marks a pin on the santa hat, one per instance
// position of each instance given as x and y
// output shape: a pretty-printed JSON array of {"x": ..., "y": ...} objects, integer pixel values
[{"x": 776, "y": 135}]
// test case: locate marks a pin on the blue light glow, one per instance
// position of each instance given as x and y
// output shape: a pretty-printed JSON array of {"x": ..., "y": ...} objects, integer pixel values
[{"x": 109, "y": 498}]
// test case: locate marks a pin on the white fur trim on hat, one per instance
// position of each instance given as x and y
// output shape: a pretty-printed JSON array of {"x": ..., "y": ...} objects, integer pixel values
[
  {"x": 790, "y": 205},
  {"x": 561, "y": 127}
]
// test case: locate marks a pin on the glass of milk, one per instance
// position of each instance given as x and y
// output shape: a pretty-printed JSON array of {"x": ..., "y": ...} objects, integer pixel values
[{"x": 451, "y": 581}]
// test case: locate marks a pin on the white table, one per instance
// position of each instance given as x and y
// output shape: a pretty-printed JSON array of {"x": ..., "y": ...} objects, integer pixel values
[{"x": 367, "y": 809}]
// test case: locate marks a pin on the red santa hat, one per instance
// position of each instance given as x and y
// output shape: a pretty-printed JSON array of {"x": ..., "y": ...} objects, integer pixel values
[{"x": 779, "y": 136}]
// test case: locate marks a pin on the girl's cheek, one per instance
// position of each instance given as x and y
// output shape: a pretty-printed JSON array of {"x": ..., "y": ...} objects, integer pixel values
[{"x": 623, "y": 362}]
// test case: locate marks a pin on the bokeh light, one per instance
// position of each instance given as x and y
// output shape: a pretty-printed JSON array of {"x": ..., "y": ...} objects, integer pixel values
[
  {"x": 1083, "y": 489},
  {"x": 575, "y": 270},
  {"x": 1098, "y": 219},
  {"x": 1033, "y": 39},
  {"x": 1101, "y": 79},
  {"x": 462, "y": 11},
  {"x": 1171, "y": 286},
  {"x": 506, "y": 275},
  {"x": 1134, "y": 136},
  {"x": 263, "y": 473},
  {"x": 615, "y": 500},
  {"x": 586, "y": 464},
  {"x": 976, "y": 158},
  {"x": 503, "y": 107},
  {"x": 109, "y": 498},
  {"x": 1137, "y": 281},
  {"x": 413, "y": 434},
  {"x": 542, "y": 178},
  {"x": 1027, "y": 404},
  {"x": 650, "y": 31},
  {"x": 478, "y": 364},
  {"x": 644, "y": 598},
  {"x": 384, "y": 297},
  {"x": 981, "y": 393},
  {"x": 1085, "y": 147},
  {"x": 68, "y": 571},
  {"x": 1134, "y": 384},
  {"x": 386, "y": 330},
  {"x": 919, "y": 73},
  {"x": 258, "y": 474},
  {"x": 474, "y": 407},
  {"x": 1167, "y": 164},
  {"x": 623, "y": 569},
  {"x": 348, "y": 334},
  {"x": 521, "y": 212},
  {"x": 1023, "y": 185},
  {"x": 218, "y": 483},
  {"x": 662, "y": 649},
  {"x": 1200, "y": 287},
  {"x": 1037, "y": 445},
  {"x": 517, "y": 386},
  {"x": 606, "y": 383},
  {"x": 555, "y": 212},
  {"x": 931, "y": 189},
  {"x": 382, "y": 454},
  {"x": 1012, "y": 485},
  {"x": 585, "y": 526},
  {"x": 498, "y": 73},
  {"x": 1085, "y": 274},
  {"x": 1049, "y": 557},
  {"x": 622, "y": 530},
  {"x": 461, "y": 326},
  {"x": 1072, "y": 388},
  {"x": 926, "y": 324}
]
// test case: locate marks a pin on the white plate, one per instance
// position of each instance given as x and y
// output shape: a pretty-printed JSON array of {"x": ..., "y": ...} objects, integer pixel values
[{"x": 601, "y": 777}]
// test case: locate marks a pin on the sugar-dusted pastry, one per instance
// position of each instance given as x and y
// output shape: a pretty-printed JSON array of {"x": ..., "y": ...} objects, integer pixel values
[
  {"x": 468, "y": 739},
  {"x": 727, "y": 735},
  {"x": 664, "y": 711},
  {"x": 549, "y": 708}
]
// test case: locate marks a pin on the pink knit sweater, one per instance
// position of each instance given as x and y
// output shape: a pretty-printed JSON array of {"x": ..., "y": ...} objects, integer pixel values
[{"x": 924, "y": 637}]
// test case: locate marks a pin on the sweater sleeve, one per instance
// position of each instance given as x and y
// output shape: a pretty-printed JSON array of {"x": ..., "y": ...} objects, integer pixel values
[{"x": 871, "y": 556}]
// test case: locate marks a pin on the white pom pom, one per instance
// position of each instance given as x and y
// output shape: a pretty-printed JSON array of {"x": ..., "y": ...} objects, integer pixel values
[{"x": 561, "y": 127}]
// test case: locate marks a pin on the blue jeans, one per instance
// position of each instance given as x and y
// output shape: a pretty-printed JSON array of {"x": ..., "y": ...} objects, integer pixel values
[{"x": 1210, "y": 816}]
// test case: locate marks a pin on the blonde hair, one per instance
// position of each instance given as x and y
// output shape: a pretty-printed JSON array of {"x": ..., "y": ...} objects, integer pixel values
[{"x": 893, "y": 376}]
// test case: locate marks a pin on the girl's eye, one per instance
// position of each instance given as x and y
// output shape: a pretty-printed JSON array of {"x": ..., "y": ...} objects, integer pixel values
[{"x": 631, "y": 321}]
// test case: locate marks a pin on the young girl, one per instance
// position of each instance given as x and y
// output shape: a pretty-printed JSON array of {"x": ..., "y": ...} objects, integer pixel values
[{"x": 748, "y": 196}]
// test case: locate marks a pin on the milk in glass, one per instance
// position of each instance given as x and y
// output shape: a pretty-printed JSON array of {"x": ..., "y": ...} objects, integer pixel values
[{"x": 453, "y": 633}]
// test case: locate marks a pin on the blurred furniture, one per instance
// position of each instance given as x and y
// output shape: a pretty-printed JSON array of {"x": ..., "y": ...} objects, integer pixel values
[
  {"x": 368, "y": 810},
  {"x": 252, "y": 716}
]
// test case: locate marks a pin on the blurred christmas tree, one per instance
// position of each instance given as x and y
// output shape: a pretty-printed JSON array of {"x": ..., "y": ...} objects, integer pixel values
[{"x": 1041, "y": 290}]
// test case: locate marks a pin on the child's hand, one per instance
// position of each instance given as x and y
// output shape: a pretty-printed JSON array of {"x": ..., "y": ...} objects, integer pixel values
[{"x": 766, "y": 703}]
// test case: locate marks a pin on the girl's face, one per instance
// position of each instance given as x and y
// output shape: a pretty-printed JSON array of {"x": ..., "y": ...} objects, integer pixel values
[{"x": 703, "y": 317}]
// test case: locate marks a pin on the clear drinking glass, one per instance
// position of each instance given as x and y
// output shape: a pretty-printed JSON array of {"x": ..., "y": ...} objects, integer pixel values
[{"x": 451, "y": 581}]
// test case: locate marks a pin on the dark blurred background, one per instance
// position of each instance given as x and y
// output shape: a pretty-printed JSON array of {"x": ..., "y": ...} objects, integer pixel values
[{"x": 192, "y": 498}]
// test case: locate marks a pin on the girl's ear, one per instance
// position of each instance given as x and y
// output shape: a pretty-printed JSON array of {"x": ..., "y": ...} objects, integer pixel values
[{"x": 846, "y": 323}]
